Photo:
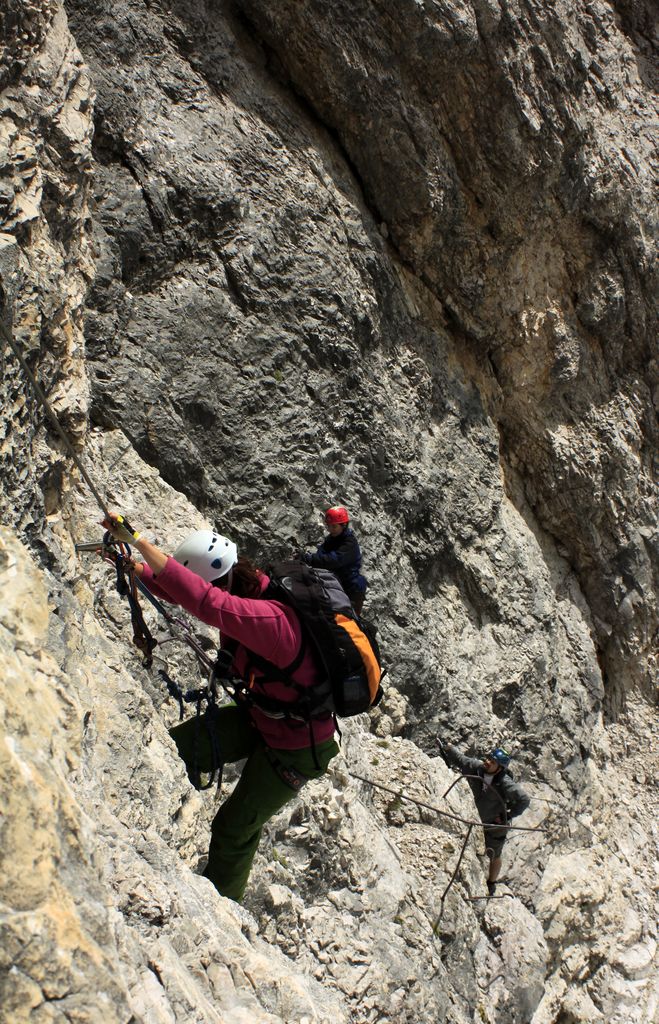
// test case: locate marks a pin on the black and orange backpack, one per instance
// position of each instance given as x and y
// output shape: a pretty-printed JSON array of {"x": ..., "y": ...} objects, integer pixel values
[{"x": 345, "y": 647}]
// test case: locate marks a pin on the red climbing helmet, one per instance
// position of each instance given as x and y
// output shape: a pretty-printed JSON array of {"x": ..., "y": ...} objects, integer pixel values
[{"x": 336, "y": 514}]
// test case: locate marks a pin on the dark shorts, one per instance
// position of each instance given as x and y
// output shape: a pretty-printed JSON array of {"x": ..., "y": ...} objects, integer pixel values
[
  {"x": 357, "y": 599},
  {"x": 494, "y": 840}
]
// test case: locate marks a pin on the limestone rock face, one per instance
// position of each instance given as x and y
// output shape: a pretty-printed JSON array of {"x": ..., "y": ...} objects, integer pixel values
[
  {"x": 266, "y": 257},
  {"x": 508, "y": 151},
  {"x": 513, "y": 293},
  {"x": 56, "y": 929},
  {"x": 46, "y": 126},
  {"x": 349, "y": 878},
  {"x": 100, "y": 918}
]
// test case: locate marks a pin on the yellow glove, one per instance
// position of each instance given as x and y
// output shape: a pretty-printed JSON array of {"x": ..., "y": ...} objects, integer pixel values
[{"x": 120, "y": 528}]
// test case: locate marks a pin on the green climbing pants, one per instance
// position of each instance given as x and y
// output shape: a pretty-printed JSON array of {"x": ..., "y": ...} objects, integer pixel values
[{"x": 259, "y": 793}]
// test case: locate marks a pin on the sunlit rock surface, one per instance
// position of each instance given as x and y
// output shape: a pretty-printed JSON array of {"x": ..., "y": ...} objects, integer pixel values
[{"x": 264, "y": 257}]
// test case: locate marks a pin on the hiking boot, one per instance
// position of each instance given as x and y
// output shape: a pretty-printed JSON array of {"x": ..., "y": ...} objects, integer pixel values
[{"x": 491, "y": 887}]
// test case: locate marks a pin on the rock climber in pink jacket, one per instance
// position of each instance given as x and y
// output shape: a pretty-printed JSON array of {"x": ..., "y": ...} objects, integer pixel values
[{"x": 207, "y": 579}]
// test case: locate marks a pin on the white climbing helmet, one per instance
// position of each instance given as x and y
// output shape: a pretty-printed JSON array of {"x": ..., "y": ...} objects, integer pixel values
[{"x": 208, "y": 554}]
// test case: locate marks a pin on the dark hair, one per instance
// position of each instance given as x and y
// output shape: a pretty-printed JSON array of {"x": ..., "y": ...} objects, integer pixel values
[{"x": 246, "y": 581}]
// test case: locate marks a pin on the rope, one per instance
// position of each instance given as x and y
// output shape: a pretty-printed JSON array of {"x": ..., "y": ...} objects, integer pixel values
[
  {"x": 445, "y": 814},
  {"x": 53, "y": 418},
  {"x": 142, "y": 636},
  {"x": 455, "y": 817},
  {"x": 217, "y": 764},
  {"x": 178, "y": 626},
  {"x": 451, "y": 880}
]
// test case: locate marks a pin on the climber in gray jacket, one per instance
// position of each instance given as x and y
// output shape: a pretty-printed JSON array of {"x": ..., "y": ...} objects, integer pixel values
[{"x": 498, "y": 799}]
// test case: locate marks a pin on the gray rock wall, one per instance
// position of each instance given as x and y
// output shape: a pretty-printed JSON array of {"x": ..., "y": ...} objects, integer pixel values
[
  {"x": 325, "y": 254},
  {"x": 46, "y": 100},
  {"x": 519, "y": 201},
  {"x": 100, "y": 919},
  {"x": 507, "y": 150}
]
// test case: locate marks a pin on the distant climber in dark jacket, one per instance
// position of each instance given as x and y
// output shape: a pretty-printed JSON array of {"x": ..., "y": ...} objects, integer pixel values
[
  {"x": 340, "y": 553},
  {"x": 498, "y": 798}
]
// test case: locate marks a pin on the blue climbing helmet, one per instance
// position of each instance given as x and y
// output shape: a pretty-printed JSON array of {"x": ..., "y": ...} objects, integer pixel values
[{"x": 501, "y": 756}]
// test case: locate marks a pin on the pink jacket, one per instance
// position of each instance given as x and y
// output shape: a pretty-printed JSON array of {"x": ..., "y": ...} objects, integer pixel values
[{"x": 267, "y": 628}]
